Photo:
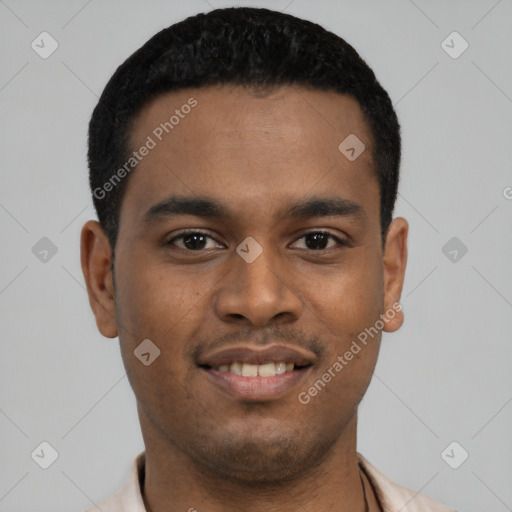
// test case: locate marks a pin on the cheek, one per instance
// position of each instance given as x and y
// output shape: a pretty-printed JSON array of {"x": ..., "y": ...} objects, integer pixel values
[
  {"x": 150, "y": 301},
  {"x": 150, "y": 306},
  {"x": 346, "y": 304},
  {"x": 363, "y": 284},
  {"x": 347, "y": 313},
  {"x": 348, "y": 297},
  {"x": 347, "y": 380}
]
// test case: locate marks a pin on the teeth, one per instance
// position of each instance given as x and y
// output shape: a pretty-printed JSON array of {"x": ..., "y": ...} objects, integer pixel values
[
  {"x": 255, "y": 370},
  {"x": 249, "y": 370},
  {"x": 280, "y": 368},
  {"x": 267, "y": 370},
  {"x": 236, "y": 368}
]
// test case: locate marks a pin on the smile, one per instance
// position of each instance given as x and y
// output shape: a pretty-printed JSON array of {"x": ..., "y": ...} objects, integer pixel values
[
  {"x": 256, "y": 373},
  {"x": 257, "y": 370}
]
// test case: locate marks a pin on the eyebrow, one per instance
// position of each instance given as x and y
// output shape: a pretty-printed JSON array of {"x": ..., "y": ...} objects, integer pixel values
[
  {"x": 210, "y": 208},
  {"x": 325, "y": 207}
]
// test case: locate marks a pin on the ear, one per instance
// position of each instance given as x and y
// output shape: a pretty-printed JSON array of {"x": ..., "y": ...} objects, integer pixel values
[
  {"x": 395, "y": 261},
  {"x": 96, "y": 266}
]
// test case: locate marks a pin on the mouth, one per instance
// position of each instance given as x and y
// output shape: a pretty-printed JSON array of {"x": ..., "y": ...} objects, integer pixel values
[
  {"x": 269, "y": 369},
  {"x": 256, "y": 374}
]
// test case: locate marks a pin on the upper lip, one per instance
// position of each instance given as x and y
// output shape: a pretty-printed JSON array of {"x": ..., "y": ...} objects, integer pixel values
[{"x": 258, "y": 355}]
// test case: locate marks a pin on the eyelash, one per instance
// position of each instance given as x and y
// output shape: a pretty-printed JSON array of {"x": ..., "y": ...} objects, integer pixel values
[{"x": 339, "y": 241}]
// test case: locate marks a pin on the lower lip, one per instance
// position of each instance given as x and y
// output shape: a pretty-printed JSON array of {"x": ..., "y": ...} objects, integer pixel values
[{"x": 257, "y": 389}]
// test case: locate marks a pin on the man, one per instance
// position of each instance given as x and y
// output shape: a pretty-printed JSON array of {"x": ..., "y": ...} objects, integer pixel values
[{"x": 244, "y": 167}]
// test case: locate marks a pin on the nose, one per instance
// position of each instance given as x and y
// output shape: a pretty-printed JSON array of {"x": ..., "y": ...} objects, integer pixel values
[{"x": 258, "y": 293}]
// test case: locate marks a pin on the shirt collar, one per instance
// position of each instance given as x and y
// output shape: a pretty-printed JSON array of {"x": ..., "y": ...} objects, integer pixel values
[
  {"x": 131, "y": 493},
  {"x": 391, "y": 496}
]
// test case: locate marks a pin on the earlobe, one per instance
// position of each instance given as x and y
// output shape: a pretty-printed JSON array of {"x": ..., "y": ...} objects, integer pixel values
[
  {"x": 395, "y": 261},
  {"x": 96, "y": 266}
]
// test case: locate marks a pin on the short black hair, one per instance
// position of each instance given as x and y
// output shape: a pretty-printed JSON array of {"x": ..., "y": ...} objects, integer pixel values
[{"x": 244, "y": 46}]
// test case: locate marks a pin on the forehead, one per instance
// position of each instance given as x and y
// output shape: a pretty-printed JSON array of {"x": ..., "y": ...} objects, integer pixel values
[
  {"x": 220, "y": 111},
  {"x": 232, "y": 142}
]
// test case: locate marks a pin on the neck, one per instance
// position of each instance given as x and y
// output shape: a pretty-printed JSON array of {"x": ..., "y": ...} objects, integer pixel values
[{"x": 174, "y": 482}]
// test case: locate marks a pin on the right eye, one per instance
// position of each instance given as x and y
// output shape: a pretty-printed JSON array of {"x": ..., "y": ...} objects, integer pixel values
[{"x": 194, "y": 241}]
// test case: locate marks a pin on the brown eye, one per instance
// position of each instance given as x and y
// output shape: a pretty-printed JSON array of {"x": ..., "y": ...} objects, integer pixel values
[
  {"x": 319, "y": 240},
  {"x": 194, "y": 241}
]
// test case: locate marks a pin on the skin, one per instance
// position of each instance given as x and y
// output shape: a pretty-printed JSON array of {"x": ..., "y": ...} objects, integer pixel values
[{"x": 256, "y": 153}]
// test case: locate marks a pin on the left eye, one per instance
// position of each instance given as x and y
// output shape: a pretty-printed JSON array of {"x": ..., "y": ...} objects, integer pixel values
[{"x": 319, "y": 240}]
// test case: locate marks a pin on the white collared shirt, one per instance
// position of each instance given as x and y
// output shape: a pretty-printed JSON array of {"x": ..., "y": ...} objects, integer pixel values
[{"x": 393, "y": 497}]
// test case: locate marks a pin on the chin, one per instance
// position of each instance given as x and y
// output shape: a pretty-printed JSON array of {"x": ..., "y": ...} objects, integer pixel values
[{"x": 262, "y": 462}]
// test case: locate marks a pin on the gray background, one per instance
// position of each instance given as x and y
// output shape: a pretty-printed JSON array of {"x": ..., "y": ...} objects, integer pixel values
[{"x": 444, "y": 377}]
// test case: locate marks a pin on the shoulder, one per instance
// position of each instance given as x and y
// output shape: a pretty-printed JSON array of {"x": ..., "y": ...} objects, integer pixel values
[
  {"x": 113, "y": 503},
  {"x": 129, "y": 497},
  {"x": 394, "y": 497}
]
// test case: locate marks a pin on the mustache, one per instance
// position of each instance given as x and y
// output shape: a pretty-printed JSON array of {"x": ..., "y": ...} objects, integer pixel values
[{"x": 267, "y": 336}]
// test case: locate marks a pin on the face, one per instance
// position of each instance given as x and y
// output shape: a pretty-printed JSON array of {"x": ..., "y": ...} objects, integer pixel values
[{"x": 249, "y": 252}]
